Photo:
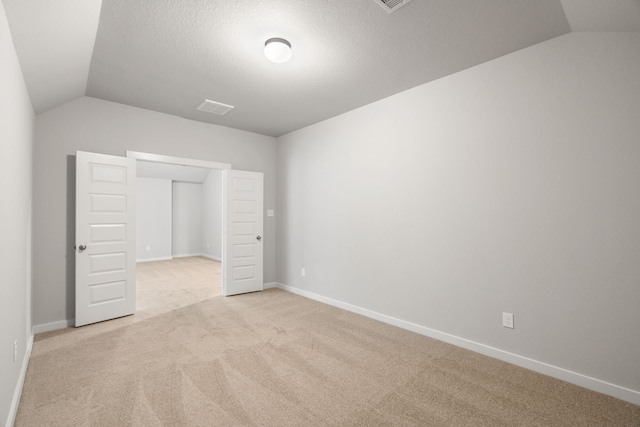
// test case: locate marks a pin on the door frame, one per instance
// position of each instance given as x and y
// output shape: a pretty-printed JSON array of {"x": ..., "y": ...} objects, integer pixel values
[{"x": 182, "y": 161}]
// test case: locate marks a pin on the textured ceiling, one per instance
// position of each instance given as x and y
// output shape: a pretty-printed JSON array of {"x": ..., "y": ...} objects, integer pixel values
[
  {"x": 169, "y": 55},
  {"x": 599, "y": 15}
]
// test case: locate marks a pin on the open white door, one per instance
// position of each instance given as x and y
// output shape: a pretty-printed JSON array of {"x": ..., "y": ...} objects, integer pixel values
[
  {"x": 105, "y": 237},
  {"x": 242, "y": 258}
]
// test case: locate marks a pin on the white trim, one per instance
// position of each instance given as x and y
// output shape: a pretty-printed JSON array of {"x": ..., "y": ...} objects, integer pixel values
[
  {"x": 158, "y": 158},
  {"x": 623, "y": 393},
  {"x": 53, "y": 326},
  {"x": 186, "y": 255},
  {"x": 270, "y": 285},
  {"x": 162, "y": 258},
  {"x": 225, "y": 228},
  {"x": 213, "y": 257},
  {"x": 13, "y": 410}
]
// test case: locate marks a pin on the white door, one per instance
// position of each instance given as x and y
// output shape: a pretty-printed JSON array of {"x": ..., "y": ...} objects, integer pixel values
[
  {"x": 105, "y": 237},
  {"x": 242, "y": 258}
]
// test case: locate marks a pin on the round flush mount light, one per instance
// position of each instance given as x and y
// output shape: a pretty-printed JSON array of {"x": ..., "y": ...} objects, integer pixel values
[{"x": 277, "y": 50}]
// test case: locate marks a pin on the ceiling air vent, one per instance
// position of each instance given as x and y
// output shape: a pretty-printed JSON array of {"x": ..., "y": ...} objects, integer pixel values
[
  {"x": 214, "y": 107},
  {"x": 392, "y": 5}
]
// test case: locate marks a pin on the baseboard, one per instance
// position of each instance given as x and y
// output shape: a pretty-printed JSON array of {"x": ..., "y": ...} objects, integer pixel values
[
  {"x": 53, "y": 326},
  {"x": 162, "y": 258},
  {"x": 186, "y": 255},
  {"x": 572, "y": 377},
  {"x": 15, "y": 402},
  {"x": 213, "y": 257},
  {"x": 270, "y": 285}
]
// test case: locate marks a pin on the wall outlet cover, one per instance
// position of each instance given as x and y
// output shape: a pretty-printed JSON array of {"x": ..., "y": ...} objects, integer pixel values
[{"x": 507, "y": 320}]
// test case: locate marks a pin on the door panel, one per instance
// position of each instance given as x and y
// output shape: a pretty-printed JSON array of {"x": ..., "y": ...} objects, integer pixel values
[
  {"x": 243, "y": 258},
  {"x": 105, "y": 237}
]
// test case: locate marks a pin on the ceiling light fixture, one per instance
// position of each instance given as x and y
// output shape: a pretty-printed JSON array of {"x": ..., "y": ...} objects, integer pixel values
[{"x": 277, "y": 50}]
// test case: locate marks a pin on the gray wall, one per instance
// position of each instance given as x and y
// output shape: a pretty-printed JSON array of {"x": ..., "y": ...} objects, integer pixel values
[
  {"x": 512, "y": 186},
  {"x": 187, "y": 219},
  {"x": 90, "y": 124},
  {"x": 16, "y": 145},
  {"x": 212, "y": 215},
  {"x": 179, "y": 218},
  {"x": 153, "y": 219}
]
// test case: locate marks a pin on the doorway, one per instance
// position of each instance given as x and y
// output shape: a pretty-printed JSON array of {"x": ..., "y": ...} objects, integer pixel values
[
  {"x": 105, "y": 251},
  {"x": 179, "y": 231}
]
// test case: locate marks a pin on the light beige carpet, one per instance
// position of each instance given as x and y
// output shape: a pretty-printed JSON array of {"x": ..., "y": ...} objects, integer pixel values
[{"x": 276, "y": 359}]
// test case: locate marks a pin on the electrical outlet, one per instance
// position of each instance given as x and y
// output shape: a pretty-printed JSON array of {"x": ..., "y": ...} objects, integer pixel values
[
  {"x": 15, "y": 351},
  {"x": 507, "y": 320},
  {"x": 303, "y": 272}
]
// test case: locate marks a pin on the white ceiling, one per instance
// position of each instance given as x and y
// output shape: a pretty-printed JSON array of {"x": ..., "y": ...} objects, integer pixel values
[
  {"x": 603, "y": 15},
  {"x": 169, "y": 55},
  {"x": 54, "y": 41}
]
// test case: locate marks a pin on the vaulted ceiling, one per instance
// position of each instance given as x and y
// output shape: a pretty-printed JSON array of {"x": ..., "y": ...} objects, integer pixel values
[{"x": 170, "y": 55}]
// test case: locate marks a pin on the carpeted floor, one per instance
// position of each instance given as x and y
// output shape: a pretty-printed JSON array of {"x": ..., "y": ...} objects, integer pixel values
[{"x": 276, "y": 359}]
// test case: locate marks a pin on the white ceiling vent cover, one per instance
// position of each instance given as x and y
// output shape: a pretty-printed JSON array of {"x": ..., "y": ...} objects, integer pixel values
[
  {"x": 214, "y": 107},
  {"x": 392, "y": 5}
]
